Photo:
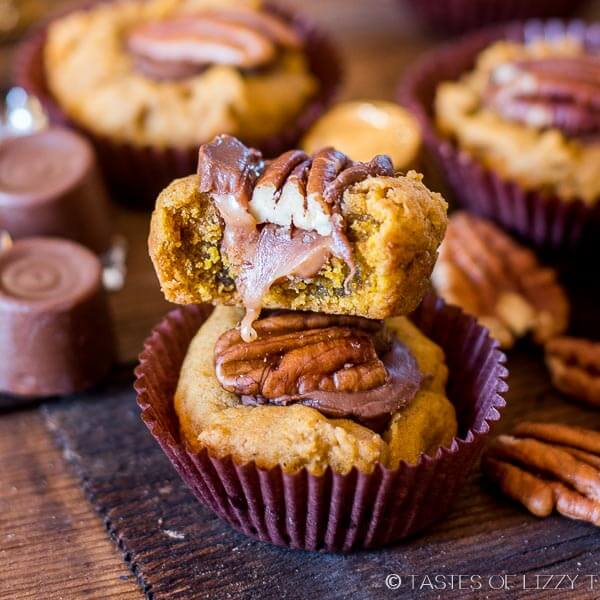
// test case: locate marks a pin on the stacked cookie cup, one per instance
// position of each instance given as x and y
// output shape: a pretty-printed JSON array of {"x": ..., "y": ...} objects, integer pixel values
[{"x": 335, "y": 506}]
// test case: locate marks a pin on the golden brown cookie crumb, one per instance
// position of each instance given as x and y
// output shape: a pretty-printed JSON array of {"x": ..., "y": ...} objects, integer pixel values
[{"x": 394, "y": 225}]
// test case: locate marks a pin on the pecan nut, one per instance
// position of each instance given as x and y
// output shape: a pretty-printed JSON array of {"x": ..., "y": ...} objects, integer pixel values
[
  {"x": 482, "y": 270},
  {"x": 574, "y": 366},
  {"x": 297, "y": 353},
  {"x": 547, "y": 467},
  {"x": 558, "y": 92},
  {"x": 342, "y": 366},
  {"x": 183, "y": 45},
  {"x": 304, "y": 191}
]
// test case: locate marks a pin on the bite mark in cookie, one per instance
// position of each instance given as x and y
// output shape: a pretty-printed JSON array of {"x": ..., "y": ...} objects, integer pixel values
[
  {"x": 320, "y": 233},
  {"x": 296, "y": 199}
]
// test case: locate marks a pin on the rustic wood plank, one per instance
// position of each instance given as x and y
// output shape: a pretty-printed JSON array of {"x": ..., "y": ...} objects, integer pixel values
[
  {"x": 52, "y": 544},
  {"x": 178, "y": 549}
]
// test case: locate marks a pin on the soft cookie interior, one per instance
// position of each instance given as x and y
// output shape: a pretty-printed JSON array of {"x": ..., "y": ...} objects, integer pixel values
[{"x": 394, "y": 226}]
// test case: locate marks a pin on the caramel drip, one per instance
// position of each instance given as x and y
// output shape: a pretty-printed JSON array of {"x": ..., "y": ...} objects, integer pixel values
[
  {"x": 282, "y": 219},
  {"x": 279, "y": 253}
]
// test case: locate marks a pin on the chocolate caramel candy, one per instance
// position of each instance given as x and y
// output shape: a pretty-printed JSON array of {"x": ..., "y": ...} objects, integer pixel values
[
  {"x": 55, "y": 329},
  {"x": 49, "y": 185}
]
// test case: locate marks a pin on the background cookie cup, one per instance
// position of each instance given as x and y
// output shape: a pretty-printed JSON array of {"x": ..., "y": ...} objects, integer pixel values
[
  {"x": 457, "y": 16},
  {"x": 136, "y": 173},
  {"x": 541, "y": 219},
  {"x": 332, "y": 512}
]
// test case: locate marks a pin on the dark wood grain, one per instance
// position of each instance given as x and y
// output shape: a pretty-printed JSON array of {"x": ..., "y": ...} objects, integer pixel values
[{"x": 52, "y": 544}]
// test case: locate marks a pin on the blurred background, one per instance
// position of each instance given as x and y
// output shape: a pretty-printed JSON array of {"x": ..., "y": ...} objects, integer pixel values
[{"x": 390, "y": 36}]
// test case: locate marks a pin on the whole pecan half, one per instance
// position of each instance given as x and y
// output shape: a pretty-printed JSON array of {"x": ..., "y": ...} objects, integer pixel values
[
  {"x": 558, "y": 92},
  {"x": 343, "y": 366},
  {"x": 574, "y": 365},
  {"x": 548, "y": 466},
  {"x": 182, "y": 46},
  {"x": 485, "y": 272}
]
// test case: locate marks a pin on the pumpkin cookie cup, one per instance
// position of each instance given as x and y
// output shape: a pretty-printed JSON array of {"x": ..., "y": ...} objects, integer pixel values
[
  {"x": 137, "y": 173},
  {"x": 331, "y": 512},
  {"x": 542, "y": 219}
]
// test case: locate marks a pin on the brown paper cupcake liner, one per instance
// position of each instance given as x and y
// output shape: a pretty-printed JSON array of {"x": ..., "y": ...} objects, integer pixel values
[
  {"x": 331, "y": 512},
  {"x": 451, "y": 17},
  {"x": 545, "y": 221},
  {"x": 137, "y": 174}
]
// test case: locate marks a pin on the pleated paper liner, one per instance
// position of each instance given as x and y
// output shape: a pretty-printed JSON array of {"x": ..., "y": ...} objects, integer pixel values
[
  {"x": 540, "y": 219},
  {"x": 451, "y": 17},
  {"x": 137, "y": 174},
  {"x": 331, "y": 512}
]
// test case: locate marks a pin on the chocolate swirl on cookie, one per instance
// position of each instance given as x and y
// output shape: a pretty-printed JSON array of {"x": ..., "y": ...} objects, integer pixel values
[
  {"x": 555, "y": 92},
  {"x": 186, "y": 44},
  {"x": 345, "y": 367},
  {"x": 282, "y": 218}
]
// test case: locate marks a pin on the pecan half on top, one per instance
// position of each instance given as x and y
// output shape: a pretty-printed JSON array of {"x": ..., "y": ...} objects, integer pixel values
[
  {"x": 342, "y": 366},
  {"x": 486, "y": 273},
  {"x": 551, "y": 92},
  {"x": 185, "y": 44},
  {"x": 547, "y": 466},
  {"x": 574, "y": 366}
]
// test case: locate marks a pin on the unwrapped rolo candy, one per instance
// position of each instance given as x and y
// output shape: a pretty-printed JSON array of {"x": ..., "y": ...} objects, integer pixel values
[{"x": 55, "y": 328}]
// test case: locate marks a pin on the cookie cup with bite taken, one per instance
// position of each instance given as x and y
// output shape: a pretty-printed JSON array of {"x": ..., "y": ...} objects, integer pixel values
[{"x": 310, "y": 410}]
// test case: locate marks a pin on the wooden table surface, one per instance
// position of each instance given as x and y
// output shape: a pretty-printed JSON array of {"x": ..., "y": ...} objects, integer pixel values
[{"x": 52, "y": 544}]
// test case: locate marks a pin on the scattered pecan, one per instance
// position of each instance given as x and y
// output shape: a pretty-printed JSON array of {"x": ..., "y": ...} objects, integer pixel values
[
  {"x": 574, "y": 365},
  {"x": 482, "y": 270},
  {"x": 343, "y": 366},
  {"x": 558, "y": 92},
  {"x": 546, "y": 467}
]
